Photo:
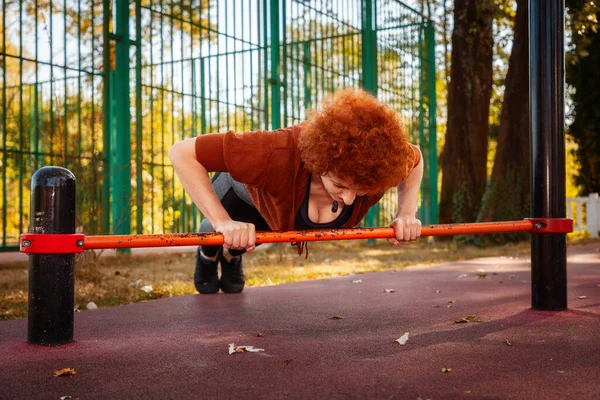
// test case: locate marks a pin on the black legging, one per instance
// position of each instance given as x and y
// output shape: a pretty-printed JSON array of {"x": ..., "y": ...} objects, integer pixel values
[{"x": 238, "y": 204}]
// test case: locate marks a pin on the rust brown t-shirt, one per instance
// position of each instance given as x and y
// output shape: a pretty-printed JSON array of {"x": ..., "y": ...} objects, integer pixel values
[{"x": 269, "y": 164}]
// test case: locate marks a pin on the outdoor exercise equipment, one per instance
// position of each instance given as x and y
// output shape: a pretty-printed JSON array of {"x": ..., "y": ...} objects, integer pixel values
[{"x": 53, "y": 243}]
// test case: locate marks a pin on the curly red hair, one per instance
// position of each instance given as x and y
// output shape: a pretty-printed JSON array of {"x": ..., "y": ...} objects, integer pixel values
[{"x": 358, "y": 140}]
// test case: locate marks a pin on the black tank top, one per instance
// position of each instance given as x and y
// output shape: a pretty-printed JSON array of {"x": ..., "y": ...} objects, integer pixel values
[{"x": 303, "y": 222}]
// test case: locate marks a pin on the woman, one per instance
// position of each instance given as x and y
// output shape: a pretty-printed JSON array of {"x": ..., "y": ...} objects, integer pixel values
[{"x": 323, "y": 173}]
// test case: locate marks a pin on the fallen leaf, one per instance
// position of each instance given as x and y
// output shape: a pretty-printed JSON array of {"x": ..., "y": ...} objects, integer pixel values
[
  {"x": 451, "y": 301},
  {"x": 449, "y": 306},
  {"x": 446, "y": 369},
  {"x": 469, "y": 318},
  {"x": 389, "y": 290},
  {"x": 336, "y": 317},
  {"x": 482, "y": 276},
  {"x": 438, "y": 291},
  {"x": 233, "y": 349},
  {"x": 463, "y": 276},
  {"x": 508, "y": 343},
  {"x": 561, "y": 372},
  {"x": 357, "y": 281},
  {"x": 136, "y": 283},
  {"x": 259, "y": 334},
  {"x": 436, "y": 306},
  {"x": 512, "y": 277},
  {"x": 147, "y": 289},
  {"x": 287, "y": 362},
  {"x": 402, "y": 339},
  {"x": 250, "y": 349},
  {"x": 242, "y": 349},
  {"x": 582, "y": 297},
  {"x": 65, "y": 397},
  {"x": 64, "y": 372}
]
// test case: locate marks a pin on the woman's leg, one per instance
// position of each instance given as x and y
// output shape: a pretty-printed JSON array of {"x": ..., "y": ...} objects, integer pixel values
[{"x": 238, "y": 204}]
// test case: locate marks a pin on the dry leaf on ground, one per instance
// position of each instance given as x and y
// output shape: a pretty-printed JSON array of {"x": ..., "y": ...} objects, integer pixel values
[
  {"x": 468, "y": 318},
  {"x": 402, "y": 339},
  {"x": 147, "y": 289},
  {"x": 446, "y": 369},
  {"x": 389, "y": 290},
  {"x": 336, "y": 317},
  {"x": 64, "y": 372},
  {"x": 243, "y": 349}
]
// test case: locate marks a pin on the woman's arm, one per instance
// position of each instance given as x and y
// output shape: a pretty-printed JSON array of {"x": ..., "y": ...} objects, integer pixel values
[
  {"x": 408, "y": 191},
  {"x": 196, "y": 182},
  {"x": 406, "y": 225}
]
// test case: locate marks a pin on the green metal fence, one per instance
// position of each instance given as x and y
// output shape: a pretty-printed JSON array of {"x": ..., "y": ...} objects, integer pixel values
[{"x": 105, "y": 88}]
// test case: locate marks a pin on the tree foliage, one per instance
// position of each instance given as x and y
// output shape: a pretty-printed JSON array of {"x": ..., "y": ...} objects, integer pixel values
[{"x": 583, "y": 73}]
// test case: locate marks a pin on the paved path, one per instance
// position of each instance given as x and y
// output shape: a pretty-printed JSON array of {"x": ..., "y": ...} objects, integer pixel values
[{"x": 178, "y": 348}]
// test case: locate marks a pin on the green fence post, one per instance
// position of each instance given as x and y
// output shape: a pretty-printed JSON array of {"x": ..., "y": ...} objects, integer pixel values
[
  {"x": 121, "y": 198},
  {"x": 423, "y": 211},
  {"x": 369, "y": 77},
  {"x": 139, "y": 187},
  {"x": 275, "y": 66},
  {"x": 106, "y": 118},
  {"x": 432, "y": 141},
  {"x": 307, "y": 81}
]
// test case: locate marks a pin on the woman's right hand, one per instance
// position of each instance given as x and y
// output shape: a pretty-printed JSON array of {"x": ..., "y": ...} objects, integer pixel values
[{"x": 237, "y": 235}]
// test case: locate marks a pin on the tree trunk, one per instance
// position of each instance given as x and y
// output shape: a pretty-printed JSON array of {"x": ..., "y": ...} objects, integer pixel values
[
  {"x": 507, "y": 195},
  {"x": 464, "y": 156}
]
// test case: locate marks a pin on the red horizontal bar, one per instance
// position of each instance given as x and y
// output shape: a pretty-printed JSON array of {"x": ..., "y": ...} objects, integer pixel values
[
  {"x": 44, "y": 243},
  {"x": 208, "y": 239}
]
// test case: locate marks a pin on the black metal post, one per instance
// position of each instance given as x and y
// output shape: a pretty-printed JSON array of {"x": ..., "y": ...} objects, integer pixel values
[
  {"x": 51, "y": 278},
  {"x": 546, "y": 85}
]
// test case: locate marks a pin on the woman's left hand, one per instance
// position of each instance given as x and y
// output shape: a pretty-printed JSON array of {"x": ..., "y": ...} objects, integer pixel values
[{"x": 406, "y": 228}]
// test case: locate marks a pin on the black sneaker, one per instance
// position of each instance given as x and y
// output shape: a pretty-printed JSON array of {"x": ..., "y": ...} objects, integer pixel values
[
  {"x": 232, "y": 274},
  {"x": 206, "y": 278}
]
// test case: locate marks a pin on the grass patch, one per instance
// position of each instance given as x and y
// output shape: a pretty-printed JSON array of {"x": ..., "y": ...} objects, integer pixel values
[{"x": 115, "y": 280}]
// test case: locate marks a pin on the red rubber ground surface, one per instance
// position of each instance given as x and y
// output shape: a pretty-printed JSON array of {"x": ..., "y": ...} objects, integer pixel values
[{"x": 178, "y": 348}]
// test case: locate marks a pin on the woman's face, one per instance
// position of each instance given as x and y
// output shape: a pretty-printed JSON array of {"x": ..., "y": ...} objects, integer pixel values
[{"x": 340, "y": 191}]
